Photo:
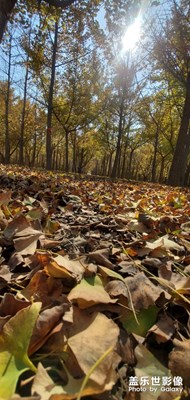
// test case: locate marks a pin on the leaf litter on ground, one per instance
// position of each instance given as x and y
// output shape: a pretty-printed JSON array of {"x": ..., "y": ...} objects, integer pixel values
[{"x": 95, "y": 288}]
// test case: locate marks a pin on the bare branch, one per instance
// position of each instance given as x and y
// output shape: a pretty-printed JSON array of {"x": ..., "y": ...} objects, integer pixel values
[{"x": 60, "y": 3}]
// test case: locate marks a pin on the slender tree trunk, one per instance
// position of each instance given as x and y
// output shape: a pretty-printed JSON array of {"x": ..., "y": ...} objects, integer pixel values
[
  {"x": 74, "y": 152},
  {"x": 123, "y": 169},
  {"x": 110, "y": 163},
  {"x": 103, "y": 166},
  {"x": 50, "y": 102},
  {"x": 21, "y": 140},
  {"x": 129, "y": 169},
  {"x": 115, "y": 169},
  {"x": 107, "y": 164},
  {"x": 66, "y": 150},
  {"x": 162, "y": 165},
  {"x": 155, "y": 155},
  {"x": 81, "y": 160},
  {"x": 7, "y": 101},
  {"x": 34, "y": 149},
  {"x": 53, "y": 160},
  {"x": 180, "y": 158}
]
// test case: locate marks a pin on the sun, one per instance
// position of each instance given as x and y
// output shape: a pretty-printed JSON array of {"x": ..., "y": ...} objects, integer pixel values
[{"x": 132, "y": 35}]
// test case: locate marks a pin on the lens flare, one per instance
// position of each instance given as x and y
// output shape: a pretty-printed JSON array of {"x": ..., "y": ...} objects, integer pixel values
[{"x": 132, "y": 35}]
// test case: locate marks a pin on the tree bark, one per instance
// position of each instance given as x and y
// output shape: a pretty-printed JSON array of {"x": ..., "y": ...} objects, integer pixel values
[
  {"x": 129, "y": 167},
  {"x": 155, "y": 154},
  {"x": 50, "y": 103},
  {"x": 74, "y": 152},
  {"x": 21, "y": 140},
  {"x": 7, "y": 101},
  {"x": 180, "y": 158},
  {"x": 115, "y": 169},
  {"x": 34, "y": 148},
  {"x": 66, "y": 150},
  {"x": 6, "y": 8}
]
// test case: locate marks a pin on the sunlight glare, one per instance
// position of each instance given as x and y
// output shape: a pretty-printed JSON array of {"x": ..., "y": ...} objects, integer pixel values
[{"x": 132, "y": 35}]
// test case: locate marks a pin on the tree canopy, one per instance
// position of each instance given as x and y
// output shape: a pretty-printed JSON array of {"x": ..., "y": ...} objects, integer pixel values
[
  {"x": 66, "y": 61},
  {"x": 7, "y": 8}
]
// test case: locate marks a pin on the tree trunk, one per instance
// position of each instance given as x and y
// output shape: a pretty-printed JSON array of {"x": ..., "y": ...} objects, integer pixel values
[
  {"x": 187, "y": 175},
  {"x": 50, "y": 103},
  {"x": 34, "y": 148},
  {"x": 180, "y": 158},
  {"x": 155, "y": 155},
  {"x": 7, "y": 101},
  {"x": 6, "y": 8},
  {"x": 129, "y": 168},
  {"x": 21, "y": 140},
  {"x": 110, "y": 163},
  {"x": 66, "y": 150},
  {"x": 74, "y": 137},
  {"x": 162, "y": 165},
  {"x": 123, "y": 169},
  {"x": 115, "y": 169}
]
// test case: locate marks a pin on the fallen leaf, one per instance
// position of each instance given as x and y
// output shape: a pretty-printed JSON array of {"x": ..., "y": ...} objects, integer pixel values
[
  {"x": 48, "y": 390},
  {"x": 149, "y": 366},
  {"x": 10, "y": 370},
  {"x": 46, "y": 322},
  {"x": 142, "y": 322},
  {"x": 101, "y": 257},
  {"x": 179, "y": 360},
  {"x": 88, "y": 292},
  {"x": 43, "y": 288},
  {"x": 14, "y": 358},
  {"x": 28, "y": 244},
  {"x": 10, "y": 305},
  {"x": 112, "y": 274},
  {"x": 163, "y": 329},
  {"x": 90, "y": 344},
  {"x": 143, "y": 293},
  {"x": 18, "y": 224}
]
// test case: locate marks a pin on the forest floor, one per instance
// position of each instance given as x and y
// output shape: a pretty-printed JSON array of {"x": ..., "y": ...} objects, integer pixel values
[{"x": 95, "y": 288}]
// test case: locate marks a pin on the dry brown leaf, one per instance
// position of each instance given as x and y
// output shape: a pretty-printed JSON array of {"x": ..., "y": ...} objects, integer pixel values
[
  {"x": 74, "y": 266},
  {"x": 47, "y": 320},
  {"x": 90, "y": 344},
  {"x": 179, "y": 360},
  {"x": 17, "y": 225},
  {"x": 5, "y": 197},
  {"x": 163, "y": 329},
  {"x": 164, "y": 243},
  {"x": 43, "y": 288},
  {"x": 101, "y": 257},
  {"x": 5, "y": 273},
  {"x": 47, "y": 389},
  {"x": 10, "y": 305},
  {"x": 116, "y": 288},
  {"x": 54, "y": 270},
  {"x": 143, "y": 293},
  {"x": 59, "y": 266},
  {"x": 27, "y": 245},
  {"x": 88, "y": 292}
]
